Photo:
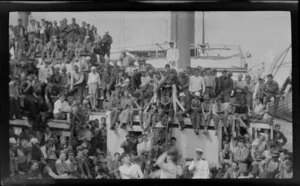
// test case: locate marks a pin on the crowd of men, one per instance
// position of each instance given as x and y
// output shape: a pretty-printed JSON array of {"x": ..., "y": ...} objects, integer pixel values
[{"x": 64, "y": 72}]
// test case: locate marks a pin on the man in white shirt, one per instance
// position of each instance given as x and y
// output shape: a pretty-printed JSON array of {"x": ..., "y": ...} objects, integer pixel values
[
  {"x": 145, "y": 146},
  {"x": 130, "y": 170},
  {"x": 172, "y": 55},
  {"x": 45, "y": 71},
  {"x": 197, "y": 83},
  {"x": 199, "y": 166},
  {"x": 60, "y": 108},
  {"x": 93, "y": 83}
]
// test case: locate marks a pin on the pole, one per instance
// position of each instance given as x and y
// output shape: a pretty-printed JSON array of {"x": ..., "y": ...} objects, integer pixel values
[{"x": 24, "y": 16}]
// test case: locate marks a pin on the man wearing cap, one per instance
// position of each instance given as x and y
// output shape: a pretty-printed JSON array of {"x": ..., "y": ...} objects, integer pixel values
[
  {"x": 278, "y": 137},
  {"x": 183, "y": 100},
  {"x": 107, "y": 41},
  {"x": 241, "y": 155},
  {"x": 226, "y": 86},
  {"x": 271, "y": 89},
  {"x": 196, "y": 112},
  {"x": 199, "y": 166},
  {"x": 93, "y": 83},
  {"x": 269, "y": 168},
  {"x": 172, "y": 55}
]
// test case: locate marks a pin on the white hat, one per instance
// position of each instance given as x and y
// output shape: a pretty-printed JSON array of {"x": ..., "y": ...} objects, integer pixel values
[
  {"x": 34, "y": 141},
  {"x": 181, "y": 94},
  {"x": 12, "y": 140},
  {"x": 93, "y": 68},
  {"x": 198, "y": 150},
  {"x": 111, "y": 63},
  {"x": 119, "y": 63},
  {"x": 197, "y": 94},
  {"x": 180, "y": 70},
  {"x": 87, "y": 58}
]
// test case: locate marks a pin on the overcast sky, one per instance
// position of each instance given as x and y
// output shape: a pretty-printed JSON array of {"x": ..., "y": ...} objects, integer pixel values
[{"x": 263, "y": 34}]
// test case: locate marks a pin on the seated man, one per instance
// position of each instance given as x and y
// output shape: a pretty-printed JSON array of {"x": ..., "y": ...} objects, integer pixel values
[
  {"x": 126, "y": 110},
  {"x": 206, "y": 107},
  {"x": 196, "y": 113},
  {"x": 61, "y": 108},
  {"x": 180, "y": 114},
  {"x": 218, "y": 113},
  {"x": 271, "y": 89},
  {"x": 258, "y": 110}
]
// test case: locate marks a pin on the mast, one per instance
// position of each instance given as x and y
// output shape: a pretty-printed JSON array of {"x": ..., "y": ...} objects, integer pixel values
[{"x": 203, "y": 29}]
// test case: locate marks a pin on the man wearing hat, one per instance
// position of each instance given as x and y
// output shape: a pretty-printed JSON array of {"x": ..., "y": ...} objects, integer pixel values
[
  {"x": 107, "y": 41},
  {"x": 183, "y": 100},
  {"x": 270, "y": 167},
  {"x": 199, "y": 166},
  {"x": 271, "y": 89},
  {"x": 226, "y": 86},
  {"x": 278, "y": 137},
  {"x": 197, "y": 83},
  {"x": 196, "y": 112},
  {"x": 172, "y": 55}
]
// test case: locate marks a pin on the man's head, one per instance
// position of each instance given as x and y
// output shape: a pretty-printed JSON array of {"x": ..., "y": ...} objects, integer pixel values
[
  {"x": 167, "y": 67},
  {"x": 76, "y": 68},
  {"x": 62, "y": 97},
  {"x": 73, "y": 20},
  {"x": 199, "y": 153},
  {"x": 277, "y": 127},
  {"x": 270, "y": 77},
  {"x": 241, "y": 143},
  {"x": 173, "y": 140},
  {"x": 226, "y": 146},
  {"x": 88, "y": 26},
  {"x": 214, "y": 72},
  {"x": 125, "y": 158},
  {"x": 145, "y": 137},
  {"x": 240, "y": 77},
  {"x": 171, "y": 44},
  {"x": 20, "y": 21},
  {"x": 229, "y": 74},
  {"x": 234, "y": 165},
  {"x": 83, "y": 24},
  {"x": 248, "y": 78},
  {"x": 62, "y": 156},
  {"x": 224, "y": 73}
]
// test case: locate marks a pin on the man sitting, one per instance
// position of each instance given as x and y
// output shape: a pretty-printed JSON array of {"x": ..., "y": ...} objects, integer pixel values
[
  {"x": 271, "y": 89},
  {"x": 60, "y": 108}
]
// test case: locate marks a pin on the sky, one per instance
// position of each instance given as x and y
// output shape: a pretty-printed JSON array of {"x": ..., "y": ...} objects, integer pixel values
[{"x": 262, "y": 33}]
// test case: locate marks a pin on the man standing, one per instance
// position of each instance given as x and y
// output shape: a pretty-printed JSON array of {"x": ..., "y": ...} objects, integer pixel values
[
  {"x": 197, "y": 83},
  {"x": 83, "y": 30},
  {"x": 172, "y": 55},
  {"x": 249, "y": 91},
  {"x": 196, "y": 112},
  {"x": 226, "y": 86},
  {"x": 183, "y": 86},
  {"x": 127, "y": 145},
  {"x": 210, "y": 83},
  {"x": 107, "y": 41},
  {"x": 93, "y": 83},
  {"x": 239, "y": 89},
  {"x": 199, "y": 166},
  {"x": 73, "y": 30}
]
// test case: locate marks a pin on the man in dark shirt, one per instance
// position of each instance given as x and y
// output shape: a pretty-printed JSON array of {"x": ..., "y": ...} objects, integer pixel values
[
  {"x": 73, "y": 30},
  {"x": 278, "y": 137},
  {"x": 226, "y": 85},
  {"x": 107, "y": 41},
  {"x": 19, "y": 30},
  {"x": 127, "y": 145},
  {"x": 83, "y": 30},
  {"x": 136, "y": 79}
]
